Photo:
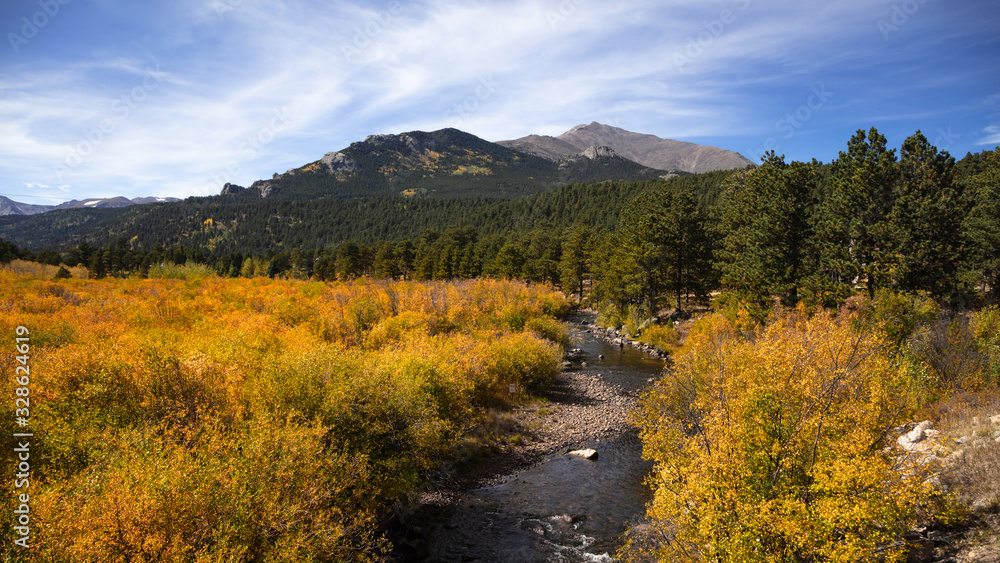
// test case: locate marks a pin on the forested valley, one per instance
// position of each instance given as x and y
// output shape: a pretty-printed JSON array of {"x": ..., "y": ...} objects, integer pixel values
[
  {"x": 811, "y": 313},
  {"x": 918, "y": 221}
]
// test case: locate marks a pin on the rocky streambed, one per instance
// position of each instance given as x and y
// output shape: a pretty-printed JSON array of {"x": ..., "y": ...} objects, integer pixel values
[{"x": 537, "y": 501}]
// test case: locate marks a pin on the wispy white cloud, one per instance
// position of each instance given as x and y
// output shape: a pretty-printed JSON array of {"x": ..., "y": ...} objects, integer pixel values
[
  {"x": 992, "y": 136},
  {"x": 188, "y": 95}
]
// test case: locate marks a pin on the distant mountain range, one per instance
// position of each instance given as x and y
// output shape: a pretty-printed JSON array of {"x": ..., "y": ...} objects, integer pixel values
[
  {"x": 452, "y": 163},
  {"x": 339, "y": 196},
  {"x": 11, "y": 207},
  {"x": 647, "y": 150}
]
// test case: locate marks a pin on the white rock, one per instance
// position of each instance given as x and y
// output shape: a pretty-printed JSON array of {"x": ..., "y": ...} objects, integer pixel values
[
  {"x": 915, "y": 435},
  {"x": 588, "y": 453}
]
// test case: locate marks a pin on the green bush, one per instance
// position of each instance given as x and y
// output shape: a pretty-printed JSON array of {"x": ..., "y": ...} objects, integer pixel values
[{"x": 187, "y": 271}]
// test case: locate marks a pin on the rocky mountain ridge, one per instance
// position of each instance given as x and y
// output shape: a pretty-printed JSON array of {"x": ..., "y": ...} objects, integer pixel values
[
  {"x": 450, "y": 163},
  {"x": 11, "y": 207},
  {"x": 443, "y": 163}
]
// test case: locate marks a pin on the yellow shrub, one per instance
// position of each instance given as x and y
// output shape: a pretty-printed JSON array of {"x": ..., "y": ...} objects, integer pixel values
[
  {"x": 209, "y": 419},
  {"x": 263, "y": 491},
  {"x": 770, "y": 448},
  {"x": 549, "y": 329},
  {"x": 524, "y": 360},
  {"x": 664, "y": 338}
]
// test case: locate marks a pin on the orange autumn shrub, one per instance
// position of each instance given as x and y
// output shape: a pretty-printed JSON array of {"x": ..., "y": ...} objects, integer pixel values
[{"x": 205, "y": 419}]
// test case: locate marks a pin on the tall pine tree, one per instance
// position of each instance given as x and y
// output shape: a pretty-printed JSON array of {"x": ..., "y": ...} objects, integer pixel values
[
  {"x": 765, "y": 221},
  {"x": 856, "y": 227},
  {"x": 926, "y": 219},
  {"x": 982, "y": 226}
]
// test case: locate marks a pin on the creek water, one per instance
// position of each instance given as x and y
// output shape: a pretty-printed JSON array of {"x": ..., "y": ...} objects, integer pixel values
[{"x": 564, "y": 508}]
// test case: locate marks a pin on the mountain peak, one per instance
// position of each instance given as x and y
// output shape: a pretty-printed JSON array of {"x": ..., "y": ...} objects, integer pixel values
[
  {"x": 592, "y": 125},
  {"x": 647, "y": 150}
]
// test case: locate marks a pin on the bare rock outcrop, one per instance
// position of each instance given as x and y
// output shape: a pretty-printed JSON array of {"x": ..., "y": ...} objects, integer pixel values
[{"x": 338, "y": 162}]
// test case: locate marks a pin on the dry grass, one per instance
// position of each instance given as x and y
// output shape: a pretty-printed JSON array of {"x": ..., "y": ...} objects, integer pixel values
[{"x": 964, "y": 421}]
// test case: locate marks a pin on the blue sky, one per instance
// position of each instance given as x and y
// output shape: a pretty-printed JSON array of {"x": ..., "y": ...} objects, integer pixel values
[{"x": 106, "y": 97}]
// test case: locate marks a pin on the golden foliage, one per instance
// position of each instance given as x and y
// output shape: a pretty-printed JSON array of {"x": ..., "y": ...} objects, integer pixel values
[
  {"x": 664, "y": 337},
  {"x": 33, "y": 270},
  {"x": 194, "y": 418},
  {"x": 770, "y": 445}
]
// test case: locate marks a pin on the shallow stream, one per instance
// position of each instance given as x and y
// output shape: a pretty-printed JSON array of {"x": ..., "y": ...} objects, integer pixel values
[{"x": 564, "y": 508}]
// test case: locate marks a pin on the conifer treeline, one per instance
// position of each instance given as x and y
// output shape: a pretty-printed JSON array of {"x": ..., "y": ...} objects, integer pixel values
[
  {"x": 918, "y": 221},
  {"x": 870, "y": 220}
]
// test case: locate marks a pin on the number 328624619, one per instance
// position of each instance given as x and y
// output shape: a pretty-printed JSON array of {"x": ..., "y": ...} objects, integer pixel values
[{"x": 22, "y": 373}]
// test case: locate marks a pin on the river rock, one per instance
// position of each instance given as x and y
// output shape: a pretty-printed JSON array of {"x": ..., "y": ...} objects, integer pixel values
[{"x": 588, "y": 453}]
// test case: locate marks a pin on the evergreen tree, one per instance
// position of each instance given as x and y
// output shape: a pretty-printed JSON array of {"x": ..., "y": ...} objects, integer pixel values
[
  {"x": 926, "y": 219},
  {"x": 386, "y": 264},
  {"x": 509, "y": 262},
  {"x": 97, "y": 268},
  {"x": 404, "y": 254},
  {"x": 8, "y": 251},
  {"x": 982, "y": 226},
  {"x": 574, "y": 264},
  {"x": 660, "y": 246},
  {"x": 856, "y": 227},
  {"x": 349, "y": 261},
  {"x": 765, "y": 221}
]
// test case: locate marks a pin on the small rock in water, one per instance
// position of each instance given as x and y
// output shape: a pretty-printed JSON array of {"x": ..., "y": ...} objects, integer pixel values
[{"x": 588, "y": 453}]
